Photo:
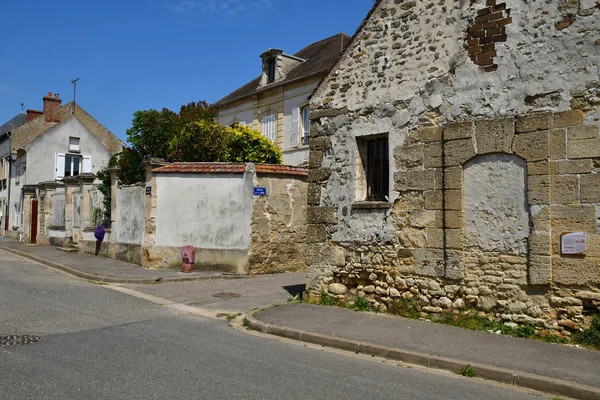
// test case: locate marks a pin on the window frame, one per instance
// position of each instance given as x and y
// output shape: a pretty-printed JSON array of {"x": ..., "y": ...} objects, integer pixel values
[
  {"x": 269, "y": 119},
  {"x": 271, "y": 70},
  {"x": 305, "y": 133},
  {"x": 72, "y": 157},
  {"x": 377, "y": 171}
]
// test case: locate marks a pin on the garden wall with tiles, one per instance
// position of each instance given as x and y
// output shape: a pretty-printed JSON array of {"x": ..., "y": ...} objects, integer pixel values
[{"x": 491, "y": 113}]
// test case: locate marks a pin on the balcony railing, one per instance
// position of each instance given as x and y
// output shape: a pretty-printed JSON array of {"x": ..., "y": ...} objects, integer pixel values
[{"x": 305, "y": 140}]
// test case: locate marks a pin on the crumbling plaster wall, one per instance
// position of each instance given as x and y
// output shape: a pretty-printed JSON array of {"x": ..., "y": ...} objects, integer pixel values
[{"x": 411, "y": 66}]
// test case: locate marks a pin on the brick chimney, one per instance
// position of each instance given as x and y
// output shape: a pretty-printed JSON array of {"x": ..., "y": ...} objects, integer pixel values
[
  {"x": 33, "y": 114},
  {"x": 52, "y": 107}
]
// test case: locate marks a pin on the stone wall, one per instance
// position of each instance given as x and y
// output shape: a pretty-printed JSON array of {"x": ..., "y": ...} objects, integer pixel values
[
  {"x": 489, "y": 166},
  {"x": 278, "y": 225}
]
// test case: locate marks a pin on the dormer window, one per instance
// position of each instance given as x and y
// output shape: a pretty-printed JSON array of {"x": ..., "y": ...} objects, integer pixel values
[{"x": 271, "y": 70}]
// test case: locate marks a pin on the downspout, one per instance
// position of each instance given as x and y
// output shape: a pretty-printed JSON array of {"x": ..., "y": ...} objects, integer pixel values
[
  {"x": 444, "y": 239},
  {"x": 7, "y": 223}
]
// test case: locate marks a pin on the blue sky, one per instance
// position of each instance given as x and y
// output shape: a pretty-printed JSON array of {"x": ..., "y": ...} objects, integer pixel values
[{"x": 139, "y": 54}]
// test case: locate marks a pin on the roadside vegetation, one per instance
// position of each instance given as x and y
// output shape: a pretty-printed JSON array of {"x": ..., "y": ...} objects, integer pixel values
[{"x": 471, "y": 319}]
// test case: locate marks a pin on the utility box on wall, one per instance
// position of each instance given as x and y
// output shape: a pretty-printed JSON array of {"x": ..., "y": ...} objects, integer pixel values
[{"x": 573, "y": 243}]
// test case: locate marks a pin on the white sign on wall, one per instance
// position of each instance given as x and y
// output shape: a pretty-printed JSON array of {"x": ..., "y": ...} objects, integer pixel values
[{"x": 573, "y": 243}]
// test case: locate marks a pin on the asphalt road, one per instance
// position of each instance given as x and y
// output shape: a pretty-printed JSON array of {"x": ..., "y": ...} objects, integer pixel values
[{"x": 102, "y": 344}]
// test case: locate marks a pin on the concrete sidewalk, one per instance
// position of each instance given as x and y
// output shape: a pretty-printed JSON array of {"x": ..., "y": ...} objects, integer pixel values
[
  {"x": 551, "y": 368},
  {"x": 103, "y": 269}
]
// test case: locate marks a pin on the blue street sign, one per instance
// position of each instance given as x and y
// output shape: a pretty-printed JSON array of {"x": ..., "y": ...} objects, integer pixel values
[{"x": 260, "y": 191}]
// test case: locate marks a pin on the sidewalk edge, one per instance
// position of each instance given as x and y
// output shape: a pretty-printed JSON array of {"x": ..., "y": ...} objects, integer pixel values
[
  {"x": 502, "y": 375},
  {"x": 106, "y": 279}
]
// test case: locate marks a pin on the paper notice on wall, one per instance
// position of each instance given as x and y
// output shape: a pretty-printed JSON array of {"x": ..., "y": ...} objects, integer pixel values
[{"x": 573, "y": 243}]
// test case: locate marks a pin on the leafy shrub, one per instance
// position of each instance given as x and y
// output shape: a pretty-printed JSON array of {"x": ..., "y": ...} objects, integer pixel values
[
  {"x": 590, "y": 336},
  {"x": 361, "y": 304},
  {"x": 247, "y": 145}
]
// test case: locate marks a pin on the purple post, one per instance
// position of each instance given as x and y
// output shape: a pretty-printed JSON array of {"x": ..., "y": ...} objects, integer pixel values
[{"x": 188, "y": 258}]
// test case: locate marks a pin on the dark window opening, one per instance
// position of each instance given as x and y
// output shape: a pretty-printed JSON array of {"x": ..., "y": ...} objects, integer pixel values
[
  {"x": 377, "y": 171},
  {"x": 72, "y": 165},
  {"x": 270, "y": 71}
]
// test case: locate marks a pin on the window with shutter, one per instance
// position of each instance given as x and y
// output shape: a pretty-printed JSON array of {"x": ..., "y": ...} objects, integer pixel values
[
  {"x": 268, "y": 127},
  {"x": 305, "y": 125},
  {"x": 295, "y": 126},
  {"x": 59, "y": 170}
]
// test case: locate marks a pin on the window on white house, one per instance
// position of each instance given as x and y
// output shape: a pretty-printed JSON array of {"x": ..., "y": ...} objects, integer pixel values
[
  {"x": 268, "y": 127},
  {"x": 305, "y": 113},
  {"x": 74, "y": 144},
  {"x": 72, "y": 165}
]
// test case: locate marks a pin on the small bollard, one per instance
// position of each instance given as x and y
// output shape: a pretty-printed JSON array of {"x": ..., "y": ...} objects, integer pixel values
[{"x": 188, "y": 258}]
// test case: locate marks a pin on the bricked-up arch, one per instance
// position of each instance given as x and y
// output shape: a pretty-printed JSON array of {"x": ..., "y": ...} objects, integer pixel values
[
  {"x": 496, "y": 215},
  {"x": 488, "y": 29}
]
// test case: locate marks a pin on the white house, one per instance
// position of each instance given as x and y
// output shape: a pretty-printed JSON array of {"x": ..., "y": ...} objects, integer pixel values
[
  {"x": 56, "y": 143},
  {"x": 276, "y": 103}
]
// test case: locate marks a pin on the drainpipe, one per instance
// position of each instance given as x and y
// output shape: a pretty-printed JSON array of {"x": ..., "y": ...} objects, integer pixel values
[
  {"x": 7, "y": 222},
  {"x": 444, "y": 239}
]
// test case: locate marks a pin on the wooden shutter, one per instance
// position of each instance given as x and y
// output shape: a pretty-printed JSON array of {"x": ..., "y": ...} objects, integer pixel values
[
  {"x": 87, "y": 165},
  {"x": 295, "y": 126},
  {"x": 59, "y": 169}
]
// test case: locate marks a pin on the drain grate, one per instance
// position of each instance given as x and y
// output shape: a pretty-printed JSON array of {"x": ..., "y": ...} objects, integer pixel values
[
  {"x": 15, "y": 340},
  {"x": 227, "y": 295}
]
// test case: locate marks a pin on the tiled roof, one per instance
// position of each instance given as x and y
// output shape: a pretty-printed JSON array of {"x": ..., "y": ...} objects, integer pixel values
[
  {"x": 319, "y": 57},
  {"x": 17, "y": 120},
  {"x": 281, "y": 169},
  {"x": 229, "y": 168},
  {"x": 202, "y": 168},
  {"x": 31, "y": 130}
]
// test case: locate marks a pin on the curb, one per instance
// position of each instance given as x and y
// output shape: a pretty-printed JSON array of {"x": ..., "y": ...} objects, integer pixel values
[
  {"x": 107, "y": 279},
  {"x": 497, "y": 374}
]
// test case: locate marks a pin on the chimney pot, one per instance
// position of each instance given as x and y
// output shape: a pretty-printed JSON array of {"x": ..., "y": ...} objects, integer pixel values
[
  {"x": 49, "y": 94},
  {"x": 56, "y": 95}
]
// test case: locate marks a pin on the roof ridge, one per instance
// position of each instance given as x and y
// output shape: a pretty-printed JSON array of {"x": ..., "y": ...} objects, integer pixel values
[{"x": 320, "y": 41}]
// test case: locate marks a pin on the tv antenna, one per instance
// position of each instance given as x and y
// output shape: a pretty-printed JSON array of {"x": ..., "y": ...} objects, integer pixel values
[
  {"x": 74, "y": 83},
  {"x": 22, "y": 107}
]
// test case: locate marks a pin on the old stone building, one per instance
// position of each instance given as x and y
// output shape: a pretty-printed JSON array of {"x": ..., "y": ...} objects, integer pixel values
[{"x": 455, "y": 143}]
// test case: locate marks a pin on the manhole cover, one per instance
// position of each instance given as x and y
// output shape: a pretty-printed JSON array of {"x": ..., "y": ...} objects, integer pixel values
[
  {"x": 226, "y": 295},
  {"x": 15, "y": 340}
]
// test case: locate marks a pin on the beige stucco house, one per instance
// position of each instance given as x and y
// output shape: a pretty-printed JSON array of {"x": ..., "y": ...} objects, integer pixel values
[
  {"x": 276, "y": 103},
  {"x": 455, "y": 162},
  {"x": 56, "y": 143}
]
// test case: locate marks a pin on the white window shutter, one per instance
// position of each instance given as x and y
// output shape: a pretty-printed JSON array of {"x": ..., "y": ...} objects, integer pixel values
[
  {"x": 87, "y": 165},
  {"x": 295, "y": 126},
  {"x": 272, "y": 128},
  {"x": 59, "y": 171}
]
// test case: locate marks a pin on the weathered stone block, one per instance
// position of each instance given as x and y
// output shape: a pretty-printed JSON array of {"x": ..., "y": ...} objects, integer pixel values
[
  {"x": 590, "y": 188},
  {"x": 587, "y": 148},
  {"x": 575, "y": 167},
  {"x": 421, "y": 218},
  {"x": 453, "y": 177},
  {"x": 538, "y": 189},
  {"x": 412, "y": 238},
  {"x": 575, "y": 271},
  {"x": 533, "y": 122},
  {"x": 315, "y": 159},
  {"x": 454, "y": 239},
  {"x": 558, "y": 144},
  {"x": 408, "y": 157},
  {"x": 582, "y": 132},
  {"x": 431, "y": 134},
  {"x": 532, "y": 146},
  {"x": 540, "y": 270},
  {"x": 453, "y": 200},
  {"x": 433, "y": 155},
  {"x": 414, "y": 180},
  {"x": 433, "y": 200},
  {"x": 457, "y": 152},
  {"x": 538, "y": 168},
  {"x": 316, "y": 233},
  {"x": 568, "y": 118},
  {"x": 435, "y": 238},
  {"x": 573, "y": 218},
  {"x": 458, "y": 130},
  {"x": 319, "y": 174},
  {"x": 495, "y": 135},
  {"x": 539, "y": 244},
  {"x": 564, "y": 189},
  {"x": 314, "y": 194},
  {"x": 320, "y": 143},
  {"x": 449, "y": 219},
  {"x": 540, "y": 217},
  {"x": 321, "y": 215}
]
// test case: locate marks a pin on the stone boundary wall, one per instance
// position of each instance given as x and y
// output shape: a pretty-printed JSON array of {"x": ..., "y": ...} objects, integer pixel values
[{"x": 433, "y": 262}]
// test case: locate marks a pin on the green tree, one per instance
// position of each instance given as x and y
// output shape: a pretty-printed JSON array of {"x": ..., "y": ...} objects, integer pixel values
[
  {"x": 152, "y": 130},
  {"x": 201, "y": 141}
]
